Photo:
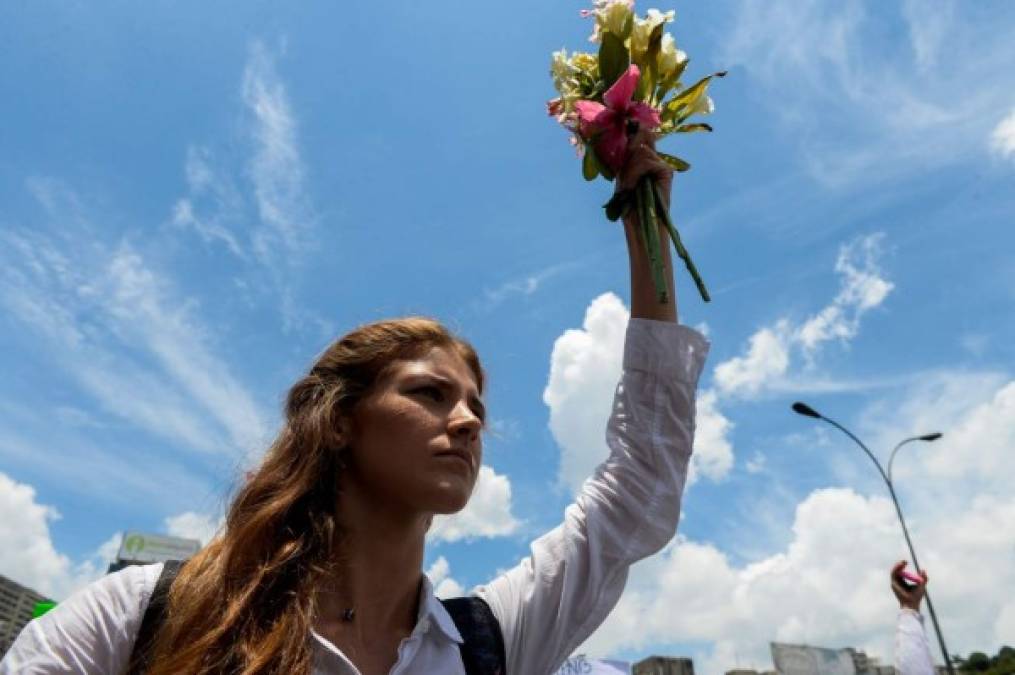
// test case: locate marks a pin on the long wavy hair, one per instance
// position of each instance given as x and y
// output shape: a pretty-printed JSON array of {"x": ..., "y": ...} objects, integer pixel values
[{"x": 245, "y": 604}]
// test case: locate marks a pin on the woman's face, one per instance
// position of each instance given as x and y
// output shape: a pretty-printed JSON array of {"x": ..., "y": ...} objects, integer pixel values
[{"x": 415, "y": 439}]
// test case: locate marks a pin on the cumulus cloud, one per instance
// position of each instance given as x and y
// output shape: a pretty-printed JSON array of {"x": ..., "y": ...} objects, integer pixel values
[
  {"x": 768, "y": 357},
  {"x": 585, "y": 366},
  {"x": 445, "y": 586},
  {"x": 488, "y": 513},
  {"x": 862, "y": 289},
  {"x": 28, "y": 555},
  {"x": 192, "y": 525},
  {"x": 713, "y": 451},
  {"x": 1002, "y": 139},
  {"x": 961, "y": 513}
]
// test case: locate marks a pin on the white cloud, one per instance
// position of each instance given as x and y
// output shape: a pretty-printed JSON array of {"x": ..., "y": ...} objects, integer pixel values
[
  {"x": 756, "y": 464},
  {"x": 488, "y": 513},
  {"x": 212, "y": 205},
  {"x": 713, "y": 452},
  {"x": 277, "y": 169},
  {"x": 863, "y": 288},
  {"x": 1002, "y": 139},
  {"x": 28, "y": 555},
  {"x": 440, "y": 576},
  {"x": 193, "y": 525},
  {"x": 863, "y": 115},
  {"x": 585, "y": 367},
  {"x": 523, "y": 286},
  {"x": 768, "y": 357},
  {"x": 961, "y": 512},
  {"x": 122, "y": 332},
  {"x": 928, "y": 22}
]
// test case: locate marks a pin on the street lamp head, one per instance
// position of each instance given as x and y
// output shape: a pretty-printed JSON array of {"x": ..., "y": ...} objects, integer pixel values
[
  {"x": 804, "y": 409},
  {"x": 930, "y": 437}
]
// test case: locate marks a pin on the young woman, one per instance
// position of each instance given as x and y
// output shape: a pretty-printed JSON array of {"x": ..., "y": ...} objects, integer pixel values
[{"x": 318, "y": 569}]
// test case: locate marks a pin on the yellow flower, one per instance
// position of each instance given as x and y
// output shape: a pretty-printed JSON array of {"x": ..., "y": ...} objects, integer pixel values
[{"x": 586, "y": 63}]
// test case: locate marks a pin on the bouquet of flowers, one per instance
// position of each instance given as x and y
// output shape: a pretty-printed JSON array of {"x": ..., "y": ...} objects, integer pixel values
[{"x": 605, "y": 98}]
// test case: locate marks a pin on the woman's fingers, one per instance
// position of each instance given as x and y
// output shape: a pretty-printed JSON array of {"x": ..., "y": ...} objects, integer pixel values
[{"x": 641, "y": 161}]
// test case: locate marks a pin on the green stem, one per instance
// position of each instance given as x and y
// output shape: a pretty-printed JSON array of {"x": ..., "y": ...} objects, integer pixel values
[
  {"x": 650, "y": 231},
  {"x": 660, "y": 205}
]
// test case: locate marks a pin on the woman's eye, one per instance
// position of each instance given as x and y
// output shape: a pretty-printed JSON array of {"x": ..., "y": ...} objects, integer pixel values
[{"x": 431, "y": 392}]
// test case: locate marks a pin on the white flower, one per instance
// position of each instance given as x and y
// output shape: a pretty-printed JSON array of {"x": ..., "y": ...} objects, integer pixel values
[
  {"x": 610, "y": 16},
  {"x": 643, "y": 30},
  {"x": 703, "y": 106},
  {"x": 669, "y": 56}
]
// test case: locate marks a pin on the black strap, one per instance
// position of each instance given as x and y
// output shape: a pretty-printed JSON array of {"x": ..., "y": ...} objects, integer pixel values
[
  {"x": 154, "y": 616},
  {"x": 483, "y": 649}
]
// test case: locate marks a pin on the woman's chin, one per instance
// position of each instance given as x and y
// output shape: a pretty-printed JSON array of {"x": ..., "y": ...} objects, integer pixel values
[{"x": 451, "y": 497}]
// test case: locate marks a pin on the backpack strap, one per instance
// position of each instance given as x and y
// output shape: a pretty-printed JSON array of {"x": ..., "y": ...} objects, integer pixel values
[
  {"x": 483, "y": 648},
  {"x": 154, "y": 617}
]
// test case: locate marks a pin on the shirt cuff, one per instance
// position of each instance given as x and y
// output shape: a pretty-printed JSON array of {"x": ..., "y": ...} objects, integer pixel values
[
  {"x": 665, "y": 348},
  {"x": 906, "y": 614}
]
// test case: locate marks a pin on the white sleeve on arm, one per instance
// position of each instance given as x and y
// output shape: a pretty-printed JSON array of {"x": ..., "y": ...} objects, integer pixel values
[
  {"x": 91, "y": 632},
  {"x": 912, "y": 651},
  {"x": 554, "y": 599}
]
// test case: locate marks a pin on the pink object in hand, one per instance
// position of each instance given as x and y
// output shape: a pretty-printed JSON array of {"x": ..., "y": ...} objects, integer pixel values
[{"x": 911, "y": 578}]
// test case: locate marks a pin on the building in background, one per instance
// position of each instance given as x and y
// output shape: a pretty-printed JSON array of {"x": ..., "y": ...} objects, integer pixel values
[
  {"x": 663, "y": 665},
  {"x": 138, "y": 548},
  {"x": 17, "y": 607}
]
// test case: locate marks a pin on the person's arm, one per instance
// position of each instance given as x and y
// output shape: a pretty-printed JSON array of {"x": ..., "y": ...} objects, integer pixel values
[
  {"x": 644, "y": 300},
  {"x": 551, "y": 602},
  {"x": 90, "y": 633},
  {"x": 912, "y": 649}
]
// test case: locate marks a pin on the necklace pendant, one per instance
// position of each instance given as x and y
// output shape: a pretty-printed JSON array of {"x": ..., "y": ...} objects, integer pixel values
[{"x": 348, "y": 615}]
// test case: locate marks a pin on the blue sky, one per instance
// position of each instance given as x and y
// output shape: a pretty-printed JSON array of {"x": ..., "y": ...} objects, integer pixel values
[{"x": 197, "y": 199}]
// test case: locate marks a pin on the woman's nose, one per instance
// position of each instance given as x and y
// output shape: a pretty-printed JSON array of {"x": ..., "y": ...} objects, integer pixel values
[{"x": 465, "y": 422}]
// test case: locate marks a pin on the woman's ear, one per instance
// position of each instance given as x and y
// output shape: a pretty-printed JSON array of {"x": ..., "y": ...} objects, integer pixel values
[{"x": 343, "y": 432}]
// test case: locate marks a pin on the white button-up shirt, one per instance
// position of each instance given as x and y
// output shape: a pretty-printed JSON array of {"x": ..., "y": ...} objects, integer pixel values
[
  {"x": 546, "y": 606},
  {"x": 912, "y": 651}
]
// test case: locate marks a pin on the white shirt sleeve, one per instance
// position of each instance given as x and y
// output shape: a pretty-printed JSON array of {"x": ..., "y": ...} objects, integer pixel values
[
  {"x": 90, "y": 633},
  {"x": 554, "y": 599},
  {"x": 912, "y": 651}
]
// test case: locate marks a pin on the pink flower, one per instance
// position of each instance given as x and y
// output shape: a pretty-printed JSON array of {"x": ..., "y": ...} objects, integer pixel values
[{"x": 606, "y": 125}]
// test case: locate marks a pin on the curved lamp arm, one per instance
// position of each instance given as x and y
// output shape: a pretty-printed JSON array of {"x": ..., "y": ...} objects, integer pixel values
[{"x": 926, "y": 437}]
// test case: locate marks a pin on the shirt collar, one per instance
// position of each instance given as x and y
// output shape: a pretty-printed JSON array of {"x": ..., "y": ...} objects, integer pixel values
[{"x": 431, "y": 611}]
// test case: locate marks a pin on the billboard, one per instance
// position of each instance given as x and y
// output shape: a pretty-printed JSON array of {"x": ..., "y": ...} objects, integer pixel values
[
  {"x": 807, "y": 660},
  {"x": 152, "y": 548},
  {"x": 582, "y": 665}
]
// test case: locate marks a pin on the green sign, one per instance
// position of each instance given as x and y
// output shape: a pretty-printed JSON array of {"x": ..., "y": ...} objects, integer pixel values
[{"x": 41, "y": 608}]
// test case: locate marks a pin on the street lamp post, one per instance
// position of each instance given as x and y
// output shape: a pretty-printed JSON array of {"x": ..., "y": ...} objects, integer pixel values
[{"x": 807, "y": 411}]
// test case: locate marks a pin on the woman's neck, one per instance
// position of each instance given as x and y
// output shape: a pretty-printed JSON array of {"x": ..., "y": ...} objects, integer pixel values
[{"x": 377, "y": 563}]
